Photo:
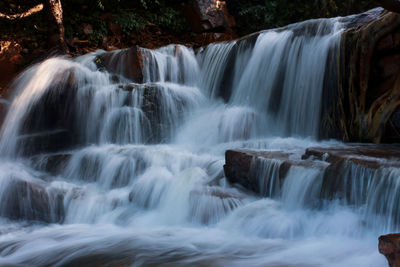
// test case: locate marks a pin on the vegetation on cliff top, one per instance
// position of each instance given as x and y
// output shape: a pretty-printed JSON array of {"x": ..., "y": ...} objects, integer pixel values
[{"x": 93, "y": 20}]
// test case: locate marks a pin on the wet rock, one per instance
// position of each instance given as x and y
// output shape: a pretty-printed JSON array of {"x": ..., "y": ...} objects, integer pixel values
[
  {"x": 161, "y": 114},
  {"x": 208, "y": 15},
  {"x": 4, "y": 105},
  {"x": 369, "y": 77},
  {"x": 356, "y": 173},
  {"x": 46, "y": 142},
  {"x": 389, "y": 245},
  {"x": 28, "y": 200},
  {"x": 50, "y": 125},
  {"x": 127, "y": 62},
  {"x": 241, "y": 166},
  {"x": 372, "y": 156},
  {"x": 344, "y": 170},
  {"x": 56, "y": 108},
  {"x": 212, "y": 37},
  {"x": 51, "y": 163}
]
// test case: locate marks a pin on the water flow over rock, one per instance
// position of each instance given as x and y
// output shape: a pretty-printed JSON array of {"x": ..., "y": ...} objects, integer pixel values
[{"x": 108, "y": 154}]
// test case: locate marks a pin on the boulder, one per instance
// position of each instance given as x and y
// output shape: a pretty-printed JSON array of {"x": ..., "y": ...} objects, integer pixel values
[
  {"x": 208, "y": 16},
  {"x": 389, "y": 245},
  {"x": 126, "y": 62}
]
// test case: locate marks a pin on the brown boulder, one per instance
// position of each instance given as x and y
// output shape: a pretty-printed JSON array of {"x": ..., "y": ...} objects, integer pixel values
[
  {"x": 126, "y": 62},
  {"x": 389, "y": 245}
]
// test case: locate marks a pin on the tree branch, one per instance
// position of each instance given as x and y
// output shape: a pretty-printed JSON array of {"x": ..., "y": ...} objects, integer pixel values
[{"x": 28, "y": 13}]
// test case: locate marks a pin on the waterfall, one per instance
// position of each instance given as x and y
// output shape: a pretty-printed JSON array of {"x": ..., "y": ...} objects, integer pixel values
[{"x": 116, "y": 158}]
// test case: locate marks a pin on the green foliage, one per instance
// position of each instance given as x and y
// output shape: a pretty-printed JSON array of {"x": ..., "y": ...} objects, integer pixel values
[
  {"x": 130, "y": 21},
  {"x": 168, "y": 18},
  {"x": 132, "y": 16},
  {"x": 255, "y": 15}
]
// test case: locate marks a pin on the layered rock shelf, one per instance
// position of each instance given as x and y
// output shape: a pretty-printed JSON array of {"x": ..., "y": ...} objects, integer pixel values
[{"x": 348, "y": 173}]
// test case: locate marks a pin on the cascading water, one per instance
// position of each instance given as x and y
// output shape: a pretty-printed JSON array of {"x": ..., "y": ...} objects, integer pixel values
[{"x": 100, "y": 169}]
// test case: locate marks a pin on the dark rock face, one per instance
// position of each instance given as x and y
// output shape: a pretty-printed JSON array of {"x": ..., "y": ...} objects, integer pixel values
[
  {"x": 162, "y": 111},
  {"x": 336, "y": 165},
  {"x": 389, "y": 245},
  {"x": 209, "y": 15},
  {"x": 50, "y": 125},
  {"x": 368, "y": 96},
  {"x": 46, "y": 142},
  {"x": 26, "y": 200}
]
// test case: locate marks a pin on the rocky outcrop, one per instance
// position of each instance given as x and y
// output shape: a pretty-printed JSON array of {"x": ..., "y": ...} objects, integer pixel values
[
  {"x": 46, "y": 142},
  {"x": 389, "y": 245}
]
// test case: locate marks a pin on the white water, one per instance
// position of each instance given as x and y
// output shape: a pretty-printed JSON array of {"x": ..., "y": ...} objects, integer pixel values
[{"x": 144, "y": 183}]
